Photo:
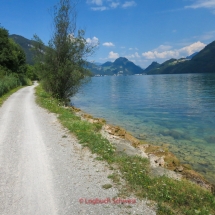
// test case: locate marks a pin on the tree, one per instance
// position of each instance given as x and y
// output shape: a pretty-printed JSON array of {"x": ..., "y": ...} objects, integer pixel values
[
  {"x": 12, "y": 57},
  {"x": 30, "y": 73},
  {"x": 62, "y": 66}
]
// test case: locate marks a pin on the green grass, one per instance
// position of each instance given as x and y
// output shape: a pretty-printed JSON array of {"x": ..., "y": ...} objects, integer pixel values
[
  {"x": 172, "y": 197},
  {"x": 8, "y": 83},
  {"x": 107, "y": 186},
  {"x": 5, "y": 96}
]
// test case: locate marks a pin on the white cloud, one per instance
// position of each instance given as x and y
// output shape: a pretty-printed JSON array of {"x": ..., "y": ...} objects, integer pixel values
[
  {"x": 130, "y": 49},
  {"x": 113, "y": 55},
  {"x": 149, "y": 55},
  {"x": 176, "y": 53},
  {"x": 114, "y": 4},
  {"x": 97, "y": 2},
  {"x": 195, "y": 47},
  {"x": 108, "y": 44},
  {"x": 162, "y": 51},
  {"x": 129, "y": 4},
  {"x": 162, "y": 48},
  {"x": 101, "y": 5},
  {"x": 202, "y": 4},
  {"x": 137, "y": 55},
  {"x": 133, "y": 56},
  {"x": 99, "y": 8},
  {"x": 94, "y": 41},
  {"x": 206, "y": 36}
]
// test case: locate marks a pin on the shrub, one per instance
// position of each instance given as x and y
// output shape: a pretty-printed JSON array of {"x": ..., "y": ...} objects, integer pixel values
[{"x": 7, "y": 83}]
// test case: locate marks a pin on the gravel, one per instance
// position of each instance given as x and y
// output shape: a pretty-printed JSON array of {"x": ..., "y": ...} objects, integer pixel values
[{"x": 44, "y": 170}]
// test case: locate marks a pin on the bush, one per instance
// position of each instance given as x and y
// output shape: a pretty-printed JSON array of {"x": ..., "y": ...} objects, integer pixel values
[
  {"x": 7, "y": 83},
  {"x": 10, "y": 82},
  {"x": 24, "y": 80},
  {"x": 31, "y": 73}
]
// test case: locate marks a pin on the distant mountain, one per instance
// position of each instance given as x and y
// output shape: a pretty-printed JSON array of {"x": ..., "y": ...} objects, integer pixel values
[
  {"x": 152, "y": 66},
  {"x": 95, "y": 69},
  {"x": 107, "y": 64},
  {"x": 192, "y": 55},
  {"x": 121, "y": 66},
  {"x": 26, "y": 45},
  {"x": 98, "y": 64},
  {"x": 124, "y": 66},
  {"x": 166, "y": 67},
  {"x": 202, "y": 62}
]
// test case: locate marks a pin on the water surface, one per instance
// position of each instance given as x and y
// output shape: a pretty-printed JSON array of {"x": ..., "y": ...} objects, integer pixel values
[{"x": 178, "y": 110}]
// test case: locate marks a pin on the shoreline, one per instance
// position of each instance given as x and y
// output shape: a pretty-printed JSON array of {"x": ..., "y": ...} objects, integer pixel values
[
  {"x": 131, "y": 174},
  {"x": 162, "y": 161}
]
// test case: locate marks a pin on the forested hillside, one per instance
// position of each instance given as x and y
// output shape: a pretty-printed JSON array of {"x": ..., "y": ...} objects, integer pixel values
[
  {"x": 26, "y": 45},
  {"x": 13, "y": 67},
  {"x": 202, "y": 62}
]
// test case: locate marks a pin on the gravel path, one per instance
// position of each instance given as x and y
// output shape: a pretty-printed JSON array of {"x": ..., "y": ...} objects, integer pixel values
[{"x": 43, "y": 169}]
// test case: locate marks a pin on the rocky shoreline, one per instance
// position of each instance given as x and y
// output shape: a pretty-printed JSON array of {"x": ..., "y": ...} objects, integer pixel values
[{"x": 162, "y": 161}]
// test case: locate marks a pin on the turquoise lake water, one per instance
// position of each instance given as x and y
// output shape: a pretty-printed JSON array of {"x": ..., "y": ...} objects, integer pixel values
[{"x": 178, "y": 110}]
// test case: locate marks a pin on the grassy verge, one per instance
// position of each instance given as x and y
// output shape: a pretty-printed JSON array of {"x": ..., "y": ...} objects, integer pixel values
[
  {"x": 172, "y": 197},
  {"x": 6, "y": 95},
  {"x": 10, "y": 82}
]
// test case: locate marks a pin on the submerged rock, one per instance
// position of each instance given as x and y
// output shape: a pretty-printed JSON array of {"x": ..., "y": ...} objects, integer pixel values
[
  {"x": 175, "y": 134},
  {"x": 187, "y": 166},
  {"x": 162, "y": 161},
  {"x": 142, "y": 136},
  {"x": 211, "y": 139}
]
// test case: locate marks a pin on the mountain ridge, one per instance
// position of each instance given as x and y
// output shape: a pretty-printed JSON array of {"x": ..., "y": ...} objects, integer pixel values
[
  {"x": 202, "y": 62},
  {"x": 26, "y": 45},
  {"x": 121, "y": 66},
  {"x": 198, "y": 62}
]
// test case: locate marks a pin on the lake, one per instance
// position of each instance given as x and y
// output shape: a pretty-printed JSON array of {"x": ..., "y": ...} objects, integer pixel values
[{"x": 178, "y": 110}]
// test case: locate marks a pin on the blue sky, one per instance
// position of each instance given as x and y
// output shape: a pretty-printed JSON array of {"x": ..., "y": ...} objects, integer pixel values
[{"x": 141, "y": 30}]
